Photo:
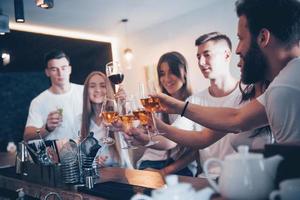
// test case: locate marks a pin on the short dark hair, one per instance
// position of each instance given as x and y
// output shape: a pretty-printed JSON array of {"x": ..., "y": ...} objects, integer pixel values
[
  {"x": 280, "y": 17},
  {"x": 213, "y": 36},
  {"x": 54, "y": 54}
]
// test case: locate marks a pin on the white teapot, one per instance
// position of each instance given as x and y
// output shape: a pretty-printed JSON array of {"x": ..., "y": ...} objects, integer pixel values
[
  {"x": 244, "y": 175},
  {"x": 175, "y": 191}
]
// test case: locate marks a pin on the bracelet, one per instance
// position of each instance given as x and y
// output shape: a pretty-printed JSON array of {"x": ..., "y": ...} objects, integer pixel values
[{"x": 184, "y": 108}]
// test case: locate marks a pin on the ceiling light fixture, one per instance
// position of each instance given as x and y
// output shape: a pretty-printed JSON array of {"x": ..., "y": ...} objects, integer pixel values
[
  {"x": 47, "y": 4},
  {"x": 19, "y": 11},
  {"x": 3, "y": 23},
  {"x": 127, "y": 52}
]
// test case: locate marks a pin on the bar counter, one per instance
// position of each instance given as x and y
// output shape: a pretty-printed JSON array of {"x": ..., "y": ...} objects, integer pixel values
[{"x": 139, "y": 178}]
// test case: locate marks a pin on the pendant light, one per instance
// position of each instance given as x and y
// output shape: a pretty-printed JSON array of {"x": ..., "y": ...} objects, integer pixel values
[{"x": 127, "y": 52}]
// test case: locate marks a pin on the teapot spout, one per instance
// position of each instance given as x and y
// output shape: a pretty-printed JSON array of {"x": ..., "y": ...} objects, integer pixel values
[{"x": 271, "y": 164}]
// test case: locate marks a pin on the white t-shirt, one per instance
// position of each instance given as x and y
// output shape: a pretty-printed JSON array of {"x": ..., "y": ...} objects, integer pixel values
[
  {"x": 153, "y": 154},
  {"x": 175, "y": 153},
  {"x": 222, "y": 147},
  {"x": 282, "y": 103},
  {"x": 46, "y": 102}
]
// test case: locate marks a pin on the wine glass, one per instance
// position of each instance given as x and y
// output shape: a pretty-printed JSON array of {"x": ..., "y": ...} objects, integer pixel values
[
  {"x": 128, "y": 119},
  {"x": 143, "y": 116},
  {"x": 114, "y": 72},
  {"x": 151, "y": 104},
  {"x": 109, "y": 113}
]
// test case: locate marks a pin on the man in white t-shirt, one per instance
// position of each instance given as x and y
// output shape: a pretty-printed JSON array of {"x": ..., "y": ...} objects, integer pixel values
[
  {"x": 52, "y": 113},
  {"x": 214, "y": 56},
  {"x": 269, "y": 49}
]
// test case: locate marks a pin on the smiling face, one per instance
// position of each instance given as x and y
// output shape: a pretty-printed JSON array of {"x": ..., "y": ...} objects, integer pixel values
[
  {"x": 168, "y": 80},
  {"x": 213, "y": 58},
  {"x": 58, "y": 70},
  {"x": 253, "y": 63},
  {"x": 97, "y": 89}
]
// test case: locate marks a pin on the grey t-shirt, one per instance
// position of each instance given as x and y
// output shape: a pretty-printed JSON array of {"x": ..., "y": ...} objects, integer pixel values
[{"x": 282, "y": 103}]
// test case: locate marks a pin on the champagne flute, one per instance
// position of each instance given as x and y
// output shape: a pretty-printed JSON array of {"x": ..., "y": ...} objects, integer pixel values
[
  {"x": 128, "y": 119},
  {"x": 109, "y": 114},
  {"x": 151, "y": 104},
  {"x": 143, "y": 116}
]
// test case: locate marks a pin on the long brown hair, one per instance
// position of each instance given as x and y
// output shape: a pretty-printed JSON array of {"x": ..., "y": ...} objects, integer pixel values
[
  {"x": 176, "y": 61},
  {"x": 87, "y": 111}
]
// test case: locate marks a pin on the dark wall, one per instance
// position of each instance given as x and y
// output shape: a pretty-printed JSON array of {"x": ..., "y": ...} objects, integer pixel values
[{"x": 24, "y": 78}]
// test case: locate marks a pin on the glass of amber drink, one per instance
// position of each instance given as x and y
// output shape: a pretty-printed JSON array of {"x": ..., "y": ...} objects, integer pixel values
[
  {"x": 144, "y": 117},
  {"x": 109, "y": 114},
  {"x": 126, "y": 114},
  {"x": 151, "y": 104}
]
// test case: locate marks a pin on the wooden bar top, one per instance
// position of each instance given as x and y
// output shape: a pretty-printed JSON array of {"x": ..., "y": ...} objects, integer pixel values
[{"x": 148, "y": 179}]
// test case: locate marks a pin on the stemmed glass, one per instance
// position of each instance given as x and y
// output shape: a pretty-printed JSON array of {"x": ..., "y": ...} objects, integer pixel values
[
  {"x": 128, "y": 119},
  {"x": 151, "y": 104},
  {"x": 109, "y": 114},
  {"x": 143, "y": 116},
  {"x": 114, "y": 72}
]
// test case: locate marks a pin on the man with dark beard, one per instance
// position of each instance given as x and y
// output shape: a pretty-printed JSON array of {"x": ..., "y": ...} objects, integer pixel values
[{"x": 269, "y": 48}]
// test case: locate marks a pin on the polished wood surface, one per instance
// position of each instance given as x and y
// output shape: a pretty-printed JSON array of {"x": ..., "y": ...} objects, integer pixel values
[
  {"x": 7, "y": 159},
  {"x": 149, "y": 179}
]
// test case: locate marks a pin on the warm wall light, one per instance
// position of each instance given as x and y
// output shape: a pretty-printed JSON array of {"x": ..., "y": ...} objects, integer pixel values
[
  {"x": 3, "y": 24},
  {"x": 127, "y": 52},
  {"x": 5, "y": 56},
  {"x": 47, "y": 4},
  {"x": 19, "y": 11}
]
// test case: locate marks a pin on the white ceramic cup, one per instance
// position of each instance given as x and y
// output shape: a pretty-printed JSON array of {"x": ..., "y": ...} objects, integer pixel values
[{"x": 288, "y": 190}]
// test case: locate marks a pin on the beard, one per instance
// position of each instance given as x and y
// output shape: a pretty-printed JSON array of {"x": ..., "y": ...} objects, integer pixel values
[{"x": 255, "y": 65}]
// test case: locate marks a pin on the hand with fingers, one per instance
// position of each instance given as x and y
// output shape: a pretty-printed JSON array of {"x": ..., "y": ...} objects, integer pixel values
[
  {"x": 100, "y": 160},
  {"x": 169, "y": 104},
  {"x": 138, "y": 134},
  {"x": 121, "y": 94},
  {"x": 54, "y": 120}
]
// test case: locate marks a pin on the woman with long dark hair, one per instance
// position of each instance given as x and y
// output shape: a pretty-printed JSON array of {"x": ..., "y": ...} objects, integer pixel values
[{"x": 172, "y": 77}]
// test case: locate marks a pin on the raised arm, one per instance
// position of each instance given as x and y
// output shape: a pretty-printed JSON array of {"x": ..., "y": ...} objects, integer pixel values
[
  {"x": 193, "y": 139},
  {"x": 250, "y": 116}
]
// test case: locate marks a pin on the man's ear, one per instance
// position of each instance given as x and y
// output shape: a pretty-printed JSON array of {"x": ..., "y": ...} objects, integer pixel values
[
  {"x": 263, "y": 38},
  {"x": 47, "y": 73},
  {"x": 227, "y": 54}
]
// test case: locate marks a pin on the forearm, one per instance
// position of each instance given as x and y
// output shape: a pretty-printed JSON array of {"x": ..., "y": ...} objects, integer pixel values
[
  {"x": 181, "y": 163},
  {"x": 30, "y": 133},
  {"x": 192, "y": 139},
  {"x": 222, "y": 119},
  {"x": 249, "y": 116}
]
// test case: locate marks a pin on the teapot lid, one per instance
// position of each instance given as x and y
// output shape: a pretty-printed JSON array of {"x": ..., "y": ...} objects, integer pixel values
[
  {"x": 173, "y": 187},
  {"x": 243, "y": 153}
]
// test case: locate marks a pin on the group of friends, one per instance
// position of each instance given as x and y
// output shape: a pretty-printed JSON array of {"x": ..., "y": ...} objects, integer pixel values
[{"x": 260, "y": 108}]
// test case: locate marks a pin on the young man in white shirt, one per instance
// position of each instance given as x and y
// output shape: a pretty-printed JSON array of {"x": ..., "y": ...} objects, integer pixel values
[{"x": 52, "y": 113}]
